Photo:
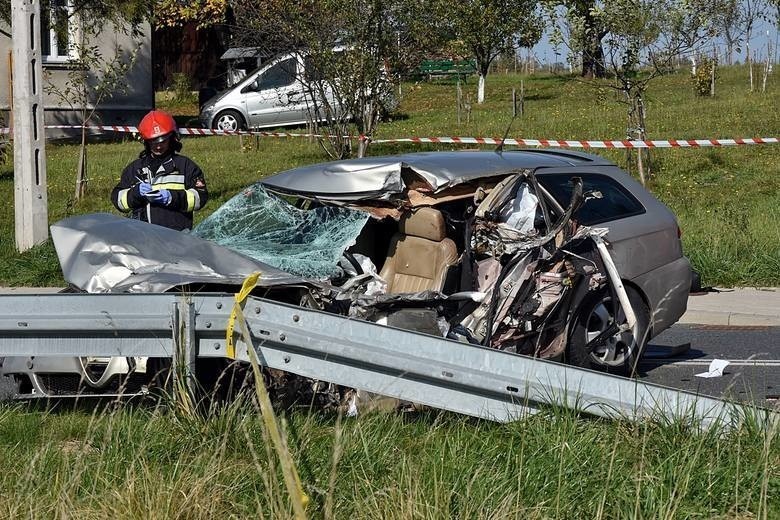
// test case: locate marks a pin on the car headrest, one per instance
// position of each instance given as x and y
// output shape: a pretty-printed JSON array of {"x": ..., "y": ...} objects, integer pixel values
[{"x": 424, "y": 223}]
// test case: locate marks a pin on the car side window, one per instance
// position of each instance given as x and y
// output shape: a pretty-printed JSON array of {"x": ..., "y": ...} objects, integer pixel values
[
  {"x": 314, "y": 70},
  {"x": 279, "y": 75},
  {"x": 616, "y": 201}
]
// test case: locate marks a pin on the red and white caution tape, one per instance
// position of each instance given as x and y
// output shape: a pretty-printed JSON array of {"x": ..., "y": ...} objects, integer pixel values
[
  {"x": 554, "y": 143},
  {"x": 101, "y": 128},
  {"x": 189, "y": 131},
  {"x": 546, "y": 143}
]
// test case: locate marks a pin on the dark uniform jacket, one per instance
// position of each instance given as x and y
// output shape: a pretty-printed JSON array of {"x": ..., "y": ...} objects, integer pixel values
[{"x": 173, "y": 172}]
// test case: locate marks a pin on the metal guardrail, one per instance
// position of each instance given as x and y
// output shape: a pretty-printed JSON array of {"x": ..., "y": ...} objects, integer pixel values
[{"x": 433, "y": 371}]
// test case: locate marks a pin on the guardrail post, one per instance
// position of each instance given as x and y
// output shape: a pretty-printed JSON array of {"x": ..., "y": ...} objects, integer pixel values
[
  {"x": 184, "y": 353},
  {"x": 188, "y": 341}
]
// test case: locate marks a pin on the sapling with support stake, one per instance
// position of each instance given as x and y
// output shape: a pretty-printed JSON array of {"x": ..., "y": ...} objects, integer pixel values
[{"x": 97, "y": 78}]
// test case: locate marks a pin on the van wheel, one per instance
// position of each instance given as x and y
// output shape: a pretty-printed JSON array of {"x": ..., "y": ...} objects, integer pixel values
[
  {"x": 229, "y": 120},
  {"x": 619, "y": 353}
]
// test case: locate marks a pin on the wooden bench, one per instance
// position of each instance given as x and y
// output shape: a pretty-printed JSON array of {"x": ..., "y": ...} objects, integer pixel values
[{"x": 433, "y": 68}]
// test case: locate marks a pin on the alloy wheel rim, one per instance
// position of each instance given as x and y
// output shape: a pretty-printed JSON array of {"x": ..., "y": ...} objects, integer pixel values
[
  {"x": 227, "y": 123},
  {"x": 617, "y": 349}
]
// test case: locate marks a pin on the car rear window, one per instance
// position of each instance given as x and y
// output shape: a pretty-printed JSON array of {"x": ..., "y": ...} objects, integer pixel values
[{"x": 616, "y": 201}]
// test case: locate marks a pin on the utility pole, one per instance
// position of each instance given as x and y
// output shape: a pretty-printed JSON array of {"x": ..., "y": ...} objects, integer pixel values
[{"x": 30, "y": 201}]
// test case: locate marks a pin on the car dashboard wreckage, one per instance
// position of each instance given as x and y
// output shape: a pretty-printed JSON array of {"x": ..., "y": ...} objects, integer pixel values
[{"x": 470, "y": 246}]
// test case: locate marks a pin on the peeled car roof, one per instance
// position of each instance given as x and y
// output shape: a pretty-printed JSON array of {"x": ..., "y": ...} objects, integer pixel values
[{"x": 380, "y": 177}]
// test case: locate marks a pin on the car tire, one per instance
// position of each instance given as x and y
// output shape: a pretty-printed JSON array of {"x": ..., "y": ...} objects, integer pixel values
[
  {"x": 230, "y": 120},
  {"x": 621, "y": 352}
]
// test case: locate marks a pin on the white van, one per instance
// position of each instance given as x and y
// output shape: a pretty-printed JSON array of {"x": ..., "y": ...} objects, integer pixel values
[{"x": 270, "y": 96}]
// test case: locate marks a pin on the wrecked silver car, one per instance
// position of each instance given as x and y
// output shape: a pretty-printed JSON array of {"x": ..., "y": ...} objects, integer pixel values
[{"x": 553, "y": 254}]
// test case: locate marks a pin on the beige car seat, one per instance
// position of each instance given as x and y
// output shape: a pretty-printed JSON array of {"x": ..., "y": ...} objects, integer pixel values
[{"x": 419, "y": 254}]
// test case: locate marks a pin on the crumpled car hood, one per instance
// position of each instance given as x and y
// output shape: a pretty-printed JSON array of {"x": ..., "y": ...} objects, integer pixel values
[{"x": 105, "y": 253}]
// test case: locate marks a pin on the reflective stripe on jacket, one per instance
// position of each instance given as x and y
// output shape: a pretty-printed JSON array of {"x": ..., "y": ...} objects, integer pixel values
[{"x": 175, "y": 173}]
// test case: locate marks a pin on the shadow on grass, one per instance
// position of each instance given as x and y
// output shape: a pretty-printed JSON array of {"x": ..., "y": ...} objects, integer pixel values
[
  {"x": 87, "y": 404},
  {"x": 541, "y": 97},
  {"x": 187, "y": 121},
  {"x": 396, "y": 116}
]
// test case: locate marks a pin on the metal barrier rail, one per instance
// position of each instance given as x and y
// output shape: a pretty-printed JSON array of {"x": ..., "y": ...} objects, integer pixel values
[{"x": 437, "y": 372}]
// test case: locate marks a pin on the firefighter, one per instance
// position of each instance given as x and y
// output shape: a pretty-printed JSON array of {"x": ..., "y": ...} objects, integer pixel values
[{"x": 161, "y": 186}]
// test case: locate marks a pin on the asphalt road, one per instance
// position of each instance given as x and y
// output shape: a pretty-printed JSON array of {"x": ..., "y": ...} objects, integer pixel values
[{"x": 754, "y": 353}]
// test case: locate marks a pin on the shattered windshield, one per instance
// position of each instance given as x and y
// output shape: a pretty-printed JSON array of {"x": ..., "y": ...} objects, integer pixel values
[{"x": 306, "y": 243}]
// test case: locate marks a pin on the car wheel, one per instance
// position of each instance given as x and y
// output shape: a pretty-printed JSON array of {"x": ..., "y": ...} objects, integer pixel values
[
  {"x": 620, "y": 352},
  {"x": 229, "y": 120}
]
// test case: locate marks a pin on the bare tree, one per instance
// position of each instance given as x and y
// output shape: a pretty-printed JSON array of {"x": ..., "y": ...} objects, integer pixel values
[
  {"x": 94, "y": 78},
  {"x": 752, "y": 13},
  {"x": 728, "y": 21}
]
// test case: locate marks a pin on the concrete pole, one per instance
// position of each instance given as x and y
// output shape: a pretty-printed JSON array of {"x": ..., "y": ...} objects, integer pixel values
[{"x": 30, "y": 202}]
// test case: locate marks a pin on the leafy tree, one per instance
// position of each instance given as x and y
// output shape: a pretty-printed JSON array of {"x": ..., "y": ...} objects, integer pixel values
[
  {"x": 489, "y": 28},
  {"x": 584, "y": 31},
  {"x": 642, "y": 40},
  {"x": 165, "y": 13},
  {"x": 130, "y": 12},
  {"x": 172, "y": 13},
  {"x": 354, "y": 51}
]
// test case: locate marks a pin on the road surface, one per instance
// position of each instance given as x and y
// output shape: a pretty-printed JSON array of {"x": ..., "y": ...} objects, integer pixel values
[{"x": 753, "y": 353}]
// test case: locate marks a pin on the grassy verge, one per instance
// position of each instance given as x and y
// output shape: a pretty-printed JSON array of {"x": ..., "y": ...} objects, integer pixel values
[
  {"x": 138, "y": 462},
  {"x": 146, "y": 464},
  {"x": 726, "y": 199}
]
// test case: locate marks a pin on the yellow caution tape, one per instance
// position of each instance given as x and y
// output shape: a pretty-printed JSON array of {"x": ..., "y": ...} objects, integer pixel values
[
  {"x": 291, "y": 478},
  {"x": 249, "y": 283}
]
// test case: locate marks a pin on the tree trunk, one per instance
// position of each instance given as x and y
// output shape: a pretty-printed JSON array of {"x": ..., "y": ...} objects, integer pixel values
[
  {"x": 81, "y": 170},
  {"x": 592, "y": 52},
  {"x": 481, "y": 89},
  {"x": 749, "y": 60},
  {"x": 643, "y": 157},
  {"x": 593, "y": 57},
  {"x": 712, "y": 72},
  {"x": 767, "y": 66},
  {"x": 729, "y": 52},
  {"x": 362, "y": 146}
]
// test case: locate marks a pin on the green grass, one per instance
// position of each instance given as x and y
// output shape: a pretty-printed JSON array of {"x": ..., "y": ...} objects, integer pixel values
[
  {"x": 137, "y": 462},
  {"x": 142, "y": 463},
  {"x": 726, "y": 199}
]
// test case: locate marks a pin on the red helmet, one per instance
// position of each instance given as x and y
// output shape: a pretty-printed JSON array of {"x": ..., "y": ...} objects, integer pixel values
[{"x": 156, "y": 124}]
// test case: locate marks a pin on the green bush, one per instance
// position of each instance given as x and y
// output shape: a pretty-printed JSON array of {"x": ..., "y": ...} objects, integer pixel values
[
  {"x": 181, "y": 85},
  {"x": 703, "y": 78}
]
